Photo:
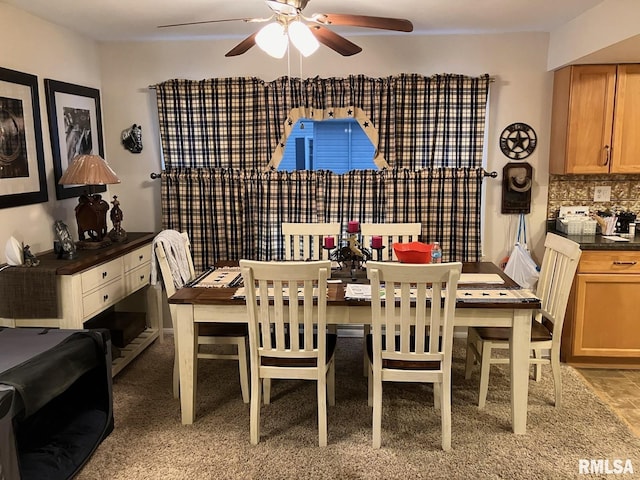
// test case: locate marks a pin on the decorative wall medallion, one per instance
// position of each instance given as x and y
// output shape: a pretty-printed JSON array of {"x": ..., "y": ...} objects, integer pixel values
[{"x": 518, "y": 141}]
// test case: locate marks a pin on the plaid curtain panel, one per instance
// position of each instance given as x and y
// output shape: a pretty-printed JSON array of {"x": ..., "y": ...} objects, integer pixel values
[
  {"x": 356, "y": 195},
  {"x": 274, "y": 198},
  {"x": 439, "y": 121},
  {"x": 231, "y": 215},
  {"x": 218, "y": 136},
  {"x": 446, "y": 201},
  {"x": 208, "y": 205}
]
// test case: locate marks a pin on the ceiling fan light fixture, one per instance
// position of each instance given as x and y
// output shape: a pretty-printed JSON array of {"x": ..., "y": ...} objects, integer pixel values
[
  {"x": 302, "y": 38},
  {"x": 273, "y": 39}
]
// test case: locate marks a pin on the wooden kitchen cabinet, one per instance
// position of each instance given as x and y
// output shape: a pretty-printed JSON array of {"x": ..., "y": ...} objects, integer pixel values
[
  {"x": 595, "y": 120},
  {"x": 602, "y": 326}
]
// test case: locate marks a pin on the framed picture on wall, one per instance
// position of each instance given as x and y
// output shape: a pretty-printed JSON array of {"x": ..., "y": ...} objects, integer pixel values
[
  {"x": 75, "y": 127},
  {"x": 23, "y": 178}
]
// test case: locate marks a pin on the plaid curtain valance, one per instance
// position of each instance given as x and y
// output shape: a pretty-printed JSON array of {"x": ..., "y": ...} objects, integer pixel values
[
  {"x": 422, "y": 122},
  {"x": 234, "y": 214}
]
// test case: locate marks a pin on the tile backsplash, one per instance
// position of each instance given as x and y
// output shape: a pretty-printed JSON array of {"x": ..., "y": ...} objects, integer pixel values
[{"x": 579, "y": 190}]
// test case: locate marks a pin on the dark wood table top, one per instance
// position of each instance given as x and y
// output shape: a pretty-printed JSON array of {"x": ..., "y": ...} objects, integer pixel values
[
  {"x": 224, "y": 296},
  {"x": 88, "y": 258}
]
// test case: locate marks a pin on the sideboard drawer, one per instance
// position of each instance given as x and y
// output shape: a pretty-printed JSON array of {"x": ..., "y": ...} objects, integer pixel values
[
  {"x": 137, "y": 258},
  {"x": 101, "y": 275},
  {"x": 99, "y": 300},
  {"x": 137, "y": 278}
]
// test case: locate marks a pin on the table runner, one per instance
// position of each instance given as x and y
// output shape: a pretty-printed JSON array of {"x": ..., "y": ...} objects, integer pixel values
[{"x": 29, "y": 292}]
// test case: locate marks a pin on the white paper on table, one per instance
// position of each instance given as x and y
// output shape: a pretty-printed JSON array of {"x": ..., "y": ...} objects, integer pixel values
[
  {"x": 357, "y": 291},
  {"x": 492, "y": 278},
  {"x": 615, "y": 238}
]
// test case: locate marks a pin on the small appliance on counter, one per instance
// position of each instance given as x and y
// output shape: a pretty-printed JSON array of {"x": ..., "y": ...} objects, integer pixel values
[{"x": 623, "y": 220}]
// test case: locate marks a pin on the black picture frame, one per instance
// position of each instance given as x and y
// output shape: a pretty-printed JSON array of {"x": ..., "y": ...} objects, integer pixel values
[
  {"x": 75, "y": 126},
  {"x": 23, "y": 179}
]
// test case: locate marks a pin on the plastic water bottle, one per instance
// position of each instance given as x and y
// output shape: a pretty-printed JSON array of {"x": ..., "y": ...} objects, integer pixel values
[{"x": 436, "y": 253}]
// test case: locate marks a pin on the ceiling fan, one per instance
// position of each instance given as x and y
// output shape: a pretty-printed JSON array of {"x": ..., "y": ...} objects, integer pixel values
[{"x": 306, "y": 33}]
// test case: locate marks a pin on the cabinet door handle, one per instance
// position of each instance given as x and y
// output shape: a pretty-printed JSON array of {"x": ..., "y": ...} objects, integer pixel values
[
  {"x": 104, "y": 274},
  {"x": 620, "y": 262},
  {"x": 607, "y": 155},
  {"x": 105, "y": 298}
]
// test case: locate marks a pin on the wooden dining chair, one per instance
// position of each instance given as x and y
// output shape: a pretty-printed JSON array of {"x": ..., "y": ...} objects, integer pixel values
[
  {"x": 391, "y": 233},
  {"x": 289, "y": 293},
  {"x": 304, "y": 241},
  {"x": 412, "y": 344},
  {"x": 173, "y": 252},
  {"x": 558, "y": 268}
]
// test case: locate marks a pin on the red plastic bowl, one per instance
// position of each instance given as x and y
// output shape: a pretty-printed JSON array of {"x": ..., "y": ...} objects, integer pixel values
[{"x": 413, "y": 252}]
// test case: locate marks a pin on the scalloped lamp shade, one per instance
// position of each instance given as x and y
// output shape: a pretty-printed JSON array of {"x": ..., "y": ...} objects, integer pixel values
[{"x": 89, "y": 170}]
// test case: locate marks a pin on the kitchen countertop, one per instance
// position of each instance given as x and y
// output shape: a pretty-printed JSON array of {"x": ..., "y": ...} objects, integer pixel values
[{"x": 596, "y": 242}]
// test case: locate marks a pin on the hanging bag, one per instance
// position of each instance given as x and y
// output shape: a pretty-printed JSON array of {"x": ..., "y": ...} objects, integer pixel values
[{"x": 520, "y": 266}]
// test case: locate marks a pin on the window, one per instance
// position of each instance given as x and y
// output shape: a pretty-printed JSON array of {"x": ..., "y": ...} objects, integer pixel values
[{"x": 339, "y": 145}]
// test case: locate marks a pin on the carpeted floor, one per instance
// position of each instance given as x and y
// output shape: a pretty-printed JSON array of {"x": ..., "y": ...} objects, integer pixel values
[{"x": 150, "y": 443}]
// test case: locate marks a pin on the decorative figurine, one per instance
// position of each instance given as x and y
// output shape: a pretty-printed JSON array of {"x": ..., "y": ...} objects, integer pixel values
[
  {"x": 64, "y": 239},
  {"x": 353, "y": 253},
  {"x": 132, "y": 138},
  {"x": 30, "y": 259},
  {"x": 117, "y": 233},
  {"x": 91, "y": 216}
]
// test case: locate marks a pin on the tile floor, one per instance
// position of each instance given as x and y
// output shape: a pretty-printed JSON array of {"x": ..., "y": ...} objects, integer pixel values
[{"x": 620, "y": 389}]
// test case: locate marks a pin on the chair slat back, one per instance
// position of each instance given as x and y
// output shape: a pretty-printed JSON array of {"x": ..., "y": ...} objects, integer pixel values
[
  {"x": 163, "y": 263},
  {"x": 281, "y": 293},
  {"x": 303, "y": 241},
  {"x": 406, "y": 286},
  {"x": 559, "y": 265},
  {"x": 391, "y": 233},
  {"x": 165, "y": 270}
]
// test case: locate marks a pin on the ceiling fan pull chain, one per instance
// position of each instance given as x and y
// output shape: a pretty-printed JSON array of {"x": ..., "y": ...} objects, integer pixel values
[{"x": 300, "y": 56}]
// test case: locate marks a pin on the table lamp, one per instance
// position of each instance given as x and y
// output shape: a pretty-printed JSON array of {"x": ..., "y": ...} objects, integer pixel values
[{"x": 91, "y": 211}]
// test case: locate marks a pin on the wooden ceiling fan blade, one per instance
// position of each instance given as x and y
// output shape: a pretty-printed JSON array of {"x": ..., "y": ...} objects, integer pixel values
[
  {"x": 203, "y": 22},
  {"x": 334, "y": 41},
  {"x": 243, "y": 46},
  {"x": 383, "y": 23}
]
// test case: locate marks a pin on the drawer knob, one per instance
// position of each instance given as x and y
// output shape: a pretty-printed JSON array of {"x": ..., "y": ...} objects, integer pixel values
[
  {"x": 141, "y": 277},
  {"x": 140, "y": 257},
  {"x": 620, "y": 262},
  {"x": 104, "y": 274},
  {"x": 105, "y": 298}
]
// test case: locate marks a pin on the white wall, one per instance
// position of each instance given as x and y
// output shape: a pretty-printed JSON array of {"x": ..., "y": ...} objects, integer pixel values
[
  {"x": 521, "y": 93},
  {"x": 30, "y": 45},
  {"x": 609, "y": 23}
]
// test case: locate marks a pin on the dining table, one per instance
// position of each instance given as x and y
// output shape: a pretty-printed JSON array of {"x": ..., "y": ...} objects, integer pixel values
[{"x": 196, "y": 305}]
